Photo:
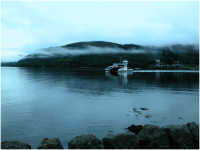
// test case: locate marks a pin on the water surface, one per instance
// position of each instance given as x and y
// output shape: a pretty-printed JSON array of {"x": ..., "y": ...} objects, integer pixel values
[{"x": 39, "y": 103}]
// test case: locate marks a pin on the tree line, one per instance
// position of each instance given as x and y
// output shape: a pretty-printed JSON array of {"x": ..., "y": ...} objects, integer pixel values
[
  {"x": 104, "y": 60},
  {"x": 101, "y": 60},
  {"x": 170, "y": 54}
]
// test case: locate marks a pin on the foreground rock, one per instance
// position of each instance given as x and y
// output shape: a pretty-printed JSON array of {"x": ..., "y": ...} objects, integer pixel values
[
  {"x": 14, "y": 145},
  {"x": 85, "y": 141},
  {"x": 153, "y": 137},
  {"x": 53, "y": 143},
  {"x": 149, "y": 137},
  {"x": 194, "y": 129},
  {"x": 179, "y": 136},
  {"x": 135, "y": 129},
  {"x": 126, "y": 140}
]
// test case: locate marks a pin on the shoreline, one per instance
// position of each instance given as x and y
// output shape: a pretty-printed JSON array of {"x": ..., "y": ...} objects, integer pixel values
[
  {"x": 102, "y": 68},
  {"x": 183, "y": 136}
]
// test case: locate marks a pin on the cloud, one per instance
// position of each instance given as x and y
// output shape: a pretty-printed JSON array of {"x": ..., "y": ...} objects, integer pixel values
[
  {"x": 62, "y": 52},
  {"x": 59, "y": 51},
  {"x": 40, "y": 24},
  {"x": 11, "y": 55}
]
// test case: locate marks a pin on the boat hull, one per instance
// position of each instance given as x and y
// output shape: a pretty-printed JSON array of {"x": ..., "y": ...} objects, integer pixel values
[
  {"x": 125, "y": 70},
  {"x": 114, "y": 69}
]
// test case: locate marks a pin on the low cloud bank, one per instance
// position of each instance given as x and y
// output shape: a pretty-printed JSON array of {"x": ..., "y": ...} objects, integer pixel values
[{"x": 61, "y": 52}]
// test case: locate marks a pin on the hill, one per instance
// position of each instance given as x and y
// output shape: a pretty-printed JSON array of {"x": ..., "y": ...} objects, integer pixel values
[
  {"x": 103, "y": 54},
  {"x": 101, "y": 44},
  {"x": 8, "y": 64},
  {"x": 80, "y": 54}
]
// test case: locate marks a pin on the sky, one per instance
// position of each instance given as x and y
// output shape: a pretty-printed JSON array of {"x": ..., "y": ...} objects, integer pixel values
[{"x": 27, "y": 26}]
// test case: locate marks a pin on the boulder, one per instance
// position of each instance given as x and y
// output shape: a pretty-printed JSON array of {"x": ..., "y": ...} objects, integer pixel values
[
  {"x": 85, "y": 141},
  {"x": 153, "y": 137},
  {"x": 53, "y": 143},
  {"x": 135, "y": 129},
  {"x": 179, "y": 136},
  {"x": 194, "y": 129},
  {"x": 126, "y": 140},
  {"x": 14, "y": 145}
]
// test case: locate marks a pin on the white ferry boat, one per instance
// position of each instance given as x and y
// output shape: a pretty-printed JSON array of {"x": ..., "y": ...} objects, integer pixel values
[{"x": 119, "y": 67}]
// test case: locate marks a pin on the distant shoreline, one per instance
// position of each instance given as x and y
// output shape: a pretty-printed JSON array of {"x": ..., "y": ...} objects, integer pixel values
[{"x": 102, "y": 68}]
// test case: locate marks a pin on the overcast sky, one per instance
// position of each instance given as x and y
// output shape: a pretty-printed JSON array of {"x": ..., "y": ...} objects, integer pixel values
[{"x": 28, "y": 26}]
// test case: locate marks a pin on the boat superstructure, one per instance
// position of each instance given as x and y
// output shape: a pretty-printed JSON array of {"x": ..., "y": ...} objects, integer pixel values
[
  {"x": 108, "y": 68},
  {"x": 119, "y": 67}
]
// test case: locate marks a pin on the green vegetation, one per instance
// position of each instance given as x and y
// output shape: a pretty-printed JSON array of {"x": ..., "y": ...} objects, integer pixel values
[
  {"x": 190, "y": 67},
  {"x": 102, "y": 44},
  {"x": 8, "y": 64},
  {"x": 168, "y": 57},
  {"x": 103, "y": 60},
  {"x": 187, "y": 55}
]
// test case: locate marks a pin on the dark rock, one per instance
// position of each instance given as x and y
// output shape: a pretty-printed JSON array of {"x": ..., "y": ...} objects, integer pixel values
[
  {"x": 153, "y": 137},
  {"x": 148, "y": 116},
  {"x": 179, "y": 136},
  {"x": 144, "y": 108},
  {"x": 135, "y": 129},
  {"x": 14, "y": 145},
  {"x": 85, "y": 141},
  {"x": 126, "y": 140},
  {"x": 53, "y": 143},
  {"x": 135, "y": 110},
  {"x": 179, "y": 117},
  {"x": 194, "y": 129}
]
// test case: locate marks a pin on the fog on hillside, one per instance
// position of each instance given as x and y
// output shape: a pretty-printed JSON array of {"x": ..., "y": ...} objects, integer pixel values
[{"x": 60, "y": 51}]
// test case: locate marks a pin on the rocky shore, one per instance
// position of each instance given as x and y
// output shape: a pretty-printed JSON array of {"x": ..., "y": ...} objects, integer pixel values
[{"x": 184, "y": 136}]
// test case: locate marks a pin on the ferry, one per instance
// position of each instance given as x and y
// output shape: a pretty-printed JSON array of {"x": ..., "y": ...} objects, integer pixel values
[{"x": 119, "y": 67}]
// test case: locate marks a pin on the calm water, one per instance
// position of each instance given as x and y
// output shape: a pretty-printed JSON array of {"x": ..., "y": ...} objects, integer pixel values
[{"x": 39, "y": 103}]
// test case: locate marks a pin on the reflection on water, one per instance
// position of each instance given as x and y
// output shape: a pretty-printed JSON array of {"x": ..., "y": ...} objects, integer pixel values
[
  {"x": 63, "y": 103},
  {"x": 121, "y": 76}
]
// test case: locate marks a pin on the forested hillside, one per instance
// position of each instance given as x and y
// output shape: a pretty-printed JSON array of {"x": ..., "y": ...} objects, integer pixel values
[
  {"x": 139, "y": 60},
  {"x": 137, "y": 56}
]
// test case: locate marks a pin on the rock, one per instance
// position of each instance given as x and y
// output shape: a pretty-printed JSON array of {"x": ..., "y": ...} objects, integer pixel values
[
  {"x": 135, "y": 129},
  {"x": 194, "y": 129},
  {"x": 153, "y": 137},
  {"x": 126, "y": 140},
  {"x": 85, "y": 141},
  {"x": 53, "y": 143},
  {"x": 14, "y": 145},
  {"x": 179, "y": 136}
]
